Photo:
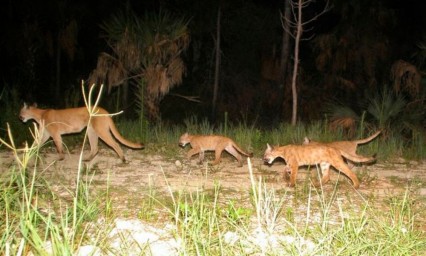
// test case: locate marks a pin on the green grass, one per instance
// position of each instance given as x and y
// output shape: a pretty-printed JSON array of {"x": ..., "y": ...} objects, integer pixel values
[
  {"x": 306, "y": 221},
  {"x": 254, "y": 139},
  {"x": 249, "y": 137},
  {"x": 333, "y": 220}
]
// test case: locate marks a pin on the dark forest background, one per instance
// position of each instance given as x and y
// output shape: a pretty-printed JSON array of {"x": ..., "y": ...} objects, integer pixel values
[{"x": 358, "y": 50}]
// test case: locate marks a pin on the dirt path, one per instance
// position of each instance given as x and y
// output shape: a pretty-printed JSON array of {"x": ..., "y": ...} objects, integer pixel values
[{"x": 146, "y": 172}]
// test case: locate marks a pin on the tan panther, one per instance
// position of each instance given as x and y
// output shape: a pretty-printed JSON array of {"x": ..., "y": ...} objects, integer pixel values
[
  {"x": 349, "y": 147},
  {"x": 73, "y": 120},
  {"x": 201, "y": 143},
  {"x": 300, "y": 155}
]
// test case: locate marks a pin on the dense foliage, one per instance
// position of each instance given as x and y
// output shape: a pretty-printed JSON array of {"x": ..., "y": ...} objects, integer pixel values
[{"x": 48, "y": 47}]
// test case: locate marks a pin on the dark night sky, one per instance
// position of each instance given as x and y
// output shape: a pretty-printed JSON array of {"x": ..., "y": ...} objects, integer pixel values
[
  {"x": 20, "y": 35},
  {"x": 90, "y": 14},
  {"x": 51, "y": 15}
]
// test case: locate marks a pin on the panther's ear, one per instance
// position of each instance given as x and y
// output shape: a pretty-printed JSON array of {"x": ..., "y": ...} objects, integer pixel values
[
  {"x": 306, "y": 140},
  {"x": 34, "y": 105}
]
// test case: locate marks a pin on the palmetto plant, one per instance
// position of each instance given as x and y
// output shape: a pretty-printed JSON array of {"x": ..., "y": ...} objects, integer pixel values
[
  {"x": 146, "y": 51},
  {"x": 165, "y": 38},
  {"x": 383, "y": 109},
  {"x": 343, "y": 116}
]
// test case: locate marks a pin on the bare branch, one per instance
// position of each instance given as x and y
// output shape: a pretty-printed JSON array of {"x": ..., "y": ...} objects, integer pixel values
[
  {"x": 308, "y": 38},
  {"x": 189, "y": 98},
  {"x": 298, "y": 26},
  {"x": 295, "y": 5},
  {"x": 327, "y": 8}
]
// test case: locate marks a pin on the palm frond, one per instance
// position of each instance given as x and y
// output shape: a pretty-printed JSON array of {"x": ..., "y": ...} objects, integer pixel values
[
  {"x": 342, "y": 117},
  {"x": 385, "y": 106},
  {"x": 406, "y": 77},
  {"x": 149, "y": 48}
]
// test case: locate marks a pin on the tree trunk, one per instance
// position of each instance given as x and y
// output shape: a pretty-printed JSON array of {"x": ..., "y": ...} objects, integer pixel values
[
  {"x": 125, "y": 93},
  {"x": 153, "y": 108},
  {"x": 58, "y": 73},
  {"x": 217, "y": 67},
  {"x": 285, "y": 53},
  {"x": 298, "y": 25},
  {"x": 299, "y": 31},
  {"x": 285, "y": 49}
]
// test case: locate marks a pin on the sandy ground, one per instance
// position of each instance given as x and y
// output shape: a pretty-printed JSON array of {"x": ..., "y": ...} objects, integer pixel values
[
  {"x": 163, "y": 170},
  {"x": 159, "y": 170}
]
